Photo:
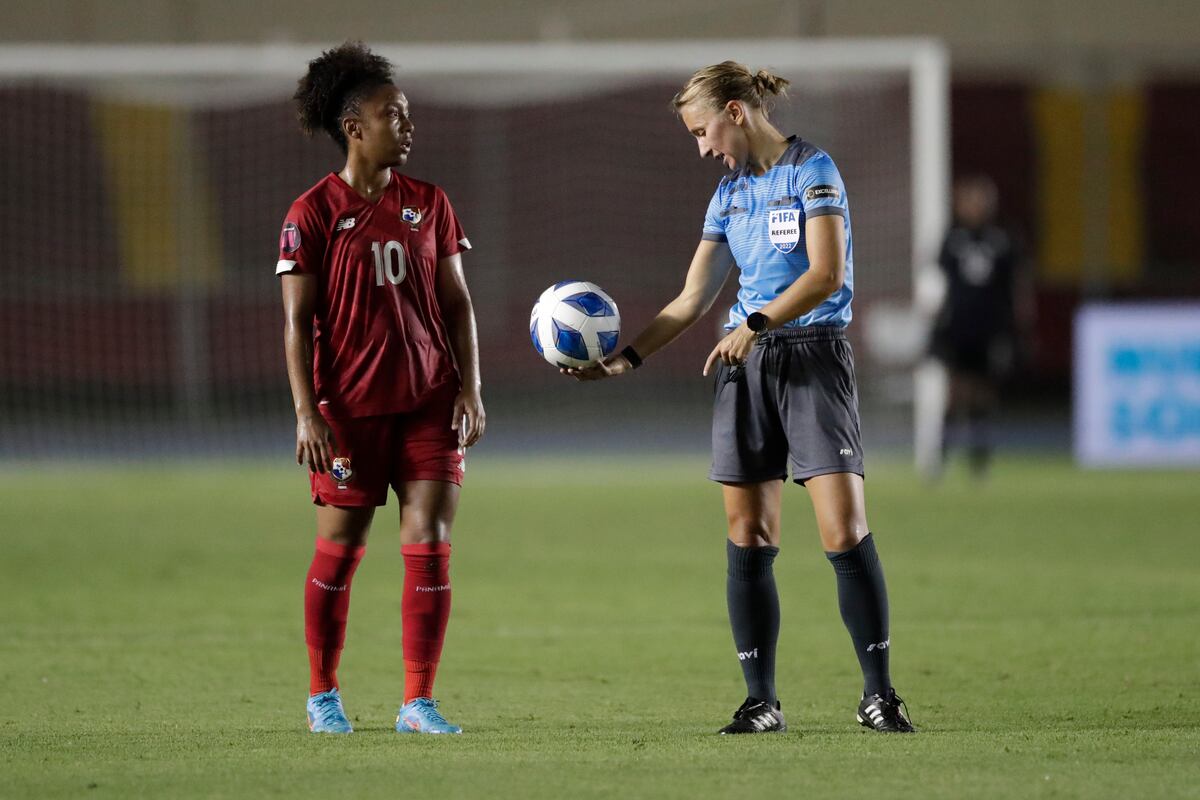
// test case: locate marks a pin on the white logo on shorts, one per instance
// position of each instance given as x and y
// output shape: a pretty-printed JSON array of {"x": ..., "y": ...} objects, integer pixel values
[
  {"x": 845, "y": 451},
  {"x": 784, "y": 228}
]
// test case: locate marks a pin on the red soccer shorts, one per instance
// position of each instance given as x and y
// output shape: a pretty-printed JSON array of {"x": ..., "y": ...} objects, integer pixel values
[{"x": 372, "y": 453}]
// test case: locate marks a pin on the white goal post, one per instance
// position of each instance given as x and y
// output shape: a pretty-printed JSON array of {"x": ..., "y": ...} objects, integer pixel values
[
  {"x": 924, "y": 60},
  {"x": 498, "y": 76}
]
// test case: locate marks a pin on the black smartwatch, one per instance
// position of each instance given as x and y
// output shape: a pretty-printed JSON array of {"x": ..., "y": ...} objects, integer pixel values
[{"x": 757, "y": 322}]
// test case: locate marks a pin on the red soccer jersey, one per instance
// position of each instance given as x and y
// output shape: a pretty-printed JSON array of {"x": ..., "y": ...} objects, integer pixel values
[{"x": 380, "y": 345}]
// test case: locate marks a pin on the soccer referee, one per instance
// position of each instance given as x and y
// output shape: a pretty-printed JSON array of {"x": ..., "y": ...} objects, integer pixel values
[{"x": 785, "y": 391}]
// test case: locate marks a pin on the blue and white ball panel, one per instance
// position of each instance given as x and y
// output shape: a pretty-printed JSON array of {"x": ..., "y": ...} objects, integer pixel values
[
  {"x": 569, "y": 341},
  {"x": 591, "y": 304},
  {"x": 533, "y": 332},
  {"x": 608, "y": 341},
  {"x": 574, "y": 324}
]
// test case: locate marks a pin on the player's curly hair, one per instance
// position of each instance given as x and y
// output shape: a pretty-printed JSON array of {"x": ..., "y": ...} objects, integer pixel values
[
  {"x": 729, "y": 80},
  {"x": 334, "y": 88}
]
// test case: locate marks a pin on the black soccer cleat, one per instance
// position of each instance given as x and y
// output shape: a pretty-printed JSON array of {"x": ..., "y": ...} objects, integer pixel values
[
  {"x": 756, "y": 716},
  {"x": 884, "y": 713}
]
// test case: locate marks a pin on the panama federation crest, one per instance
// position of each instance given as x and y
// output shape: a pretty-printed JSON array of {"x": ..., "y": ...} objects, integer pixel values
[
  {"x": 784, "y": 228},
  {"x": 341, "y": 471},
  {"x": 412, "y": 215}
]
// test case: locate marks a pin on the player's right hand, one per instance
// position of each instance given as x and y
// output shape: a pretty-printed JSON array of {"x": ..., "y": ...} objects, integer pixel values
[
  {"x": 314, "y": 442},
  {"x": 609, "y": 367}
]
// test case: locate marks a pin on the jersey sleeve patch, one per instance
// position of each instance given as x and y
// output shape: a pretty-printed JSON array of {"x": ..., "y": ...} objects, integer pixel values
[
  {"x": 821, "y": 188},
  {"x": 302, "y": 240},
  {"x": 823, "y": 192},
  {"x": 289, "y": 238}
]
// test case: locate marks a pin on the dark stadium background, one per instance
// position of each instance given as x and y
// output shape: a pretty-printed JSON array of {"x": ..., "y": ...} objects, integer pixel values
[{"x": 1086, "y": 122}]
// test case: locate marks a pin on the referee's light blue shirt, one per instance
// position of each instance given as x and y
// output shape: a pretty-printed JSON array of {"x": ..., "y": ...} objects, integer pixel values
[{"x": 762, "y": 217}]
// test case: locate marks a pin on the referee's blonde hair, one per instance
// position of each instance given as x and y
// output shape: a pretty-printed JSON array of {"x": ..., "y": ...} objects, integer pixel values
[{"x": 730, "y": 80}]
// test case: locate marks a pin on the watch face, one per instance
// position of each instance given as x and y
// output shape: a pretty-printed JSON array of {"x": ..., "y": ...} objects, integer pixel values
[{"x": 756, "y": 322}]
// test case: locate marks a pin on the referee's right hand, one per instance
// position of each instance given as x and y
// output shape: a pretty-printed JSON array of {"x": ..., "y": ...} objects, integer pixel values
[
  {"x": 607, "y": 368},
  {"x": 314, "y": 442}
]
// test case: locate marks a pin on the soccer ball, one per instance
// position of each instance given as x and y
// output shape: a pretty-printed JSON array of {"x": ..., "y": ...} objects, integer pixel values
[{"x": 574, "y": 324}]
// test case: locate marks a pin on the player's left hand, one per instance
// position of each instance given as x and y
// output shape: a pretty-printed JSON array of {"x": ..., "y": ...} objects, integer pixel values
[
  {"x": 469, "y": 417},
  {"x": 734, "y": 349}
]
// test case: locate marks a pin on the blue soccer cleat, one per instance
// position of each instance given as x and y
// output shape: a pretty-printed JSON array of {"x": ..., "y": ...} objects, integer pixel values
[
  {"x": 421, "y": 716},
  {"x": 326, "y": 715}
]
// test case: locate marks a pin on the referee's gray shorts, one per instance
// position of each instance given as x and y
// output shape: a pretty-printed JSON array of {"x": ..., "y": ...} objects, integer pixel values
[{"x": 794, "y": 400}]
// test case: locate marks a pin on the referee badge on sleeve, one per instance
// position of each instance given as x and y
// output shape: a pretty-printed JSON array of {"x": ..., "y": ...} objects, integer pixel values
[{"x": 784, "y": 228}]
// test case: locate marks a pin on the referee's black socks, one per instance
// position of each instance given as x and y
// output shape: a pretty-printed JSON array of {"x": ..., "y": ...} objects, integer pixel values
[
  {"x": 862, "y": 598},
  {"x": 754, "y": 615}
]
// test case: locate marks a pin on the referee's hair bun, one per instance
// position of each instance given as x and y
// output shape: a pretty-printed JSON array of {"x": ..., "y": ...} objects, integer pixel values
[
  {"x": 767, "y": 84},
  {"x": 718, "y": 84}
]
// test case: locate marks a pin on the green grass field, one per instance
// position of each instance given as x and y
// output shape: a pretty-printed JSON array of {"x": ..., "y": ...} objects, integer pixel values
[{"x": 1045, "y": 630}]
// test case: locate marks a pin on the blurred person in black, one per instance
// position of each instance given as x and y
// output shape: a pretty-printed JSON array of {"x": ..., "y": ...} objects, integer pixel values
[{"x": 975, "y": 332}]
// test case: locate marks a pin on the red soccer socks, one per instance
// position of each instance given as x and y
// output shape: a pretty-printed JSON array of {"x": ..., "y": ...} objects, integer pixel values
[
  {"x": 326, "y": 606},
  {"x": 424, "y": 610}
]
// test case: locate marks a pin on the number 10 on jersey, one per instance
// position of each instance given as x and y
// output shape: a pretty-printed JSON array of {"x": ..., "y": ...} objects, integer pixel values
[{"x": 389, "y": 262}]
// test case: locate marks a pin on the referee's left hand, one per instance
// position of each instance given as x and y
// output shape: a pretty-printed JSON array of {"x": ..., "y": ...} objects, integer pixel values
[
  {"x": 469, "y": 417},
  {"x": 734, "y": 349}
]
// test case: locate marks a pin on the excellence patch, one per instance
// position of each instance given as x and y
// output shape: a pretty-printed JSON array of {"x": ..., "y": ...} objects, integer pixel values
[
  {"x": 823, "y": 192},
  {"x": 784, "y": 228},
  {"x": 289, "y": 239}
]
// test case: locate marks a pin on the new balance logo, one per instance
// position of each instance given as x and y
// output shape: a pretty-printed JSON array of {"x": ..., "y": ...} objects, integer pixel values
[
  {"x": 880, "y": 645},
  {"x": 748, "y": 654},
  {"x": 345, "y": 224},
  {"x": 845, "y": 451},
  {"x": 445, "y": 587}
]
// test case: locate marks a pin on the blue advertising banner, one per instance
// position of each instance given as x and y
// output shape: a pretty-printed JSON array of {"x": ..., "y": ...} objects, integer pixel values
[{"x": 1137, "y": 385}]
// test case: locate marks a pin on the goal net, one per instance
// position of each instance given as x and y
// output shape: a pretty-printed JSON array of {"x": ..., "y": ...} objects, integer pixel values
[{"x": 144, "y": 188}]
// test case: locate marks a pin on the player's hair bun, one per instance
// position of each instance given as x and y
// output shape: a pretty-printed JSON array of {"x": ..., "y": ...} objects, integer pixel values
[
  {"x": 334, "y": 85},
  {"x": 767, "y": 84}
]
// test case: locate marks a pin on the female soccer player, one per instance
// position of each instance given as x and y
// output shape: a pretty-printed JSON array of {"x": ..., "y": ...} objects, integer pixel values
[
  {"x": 785, "y": 378},
  {"x": 383, "y": 360}
]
